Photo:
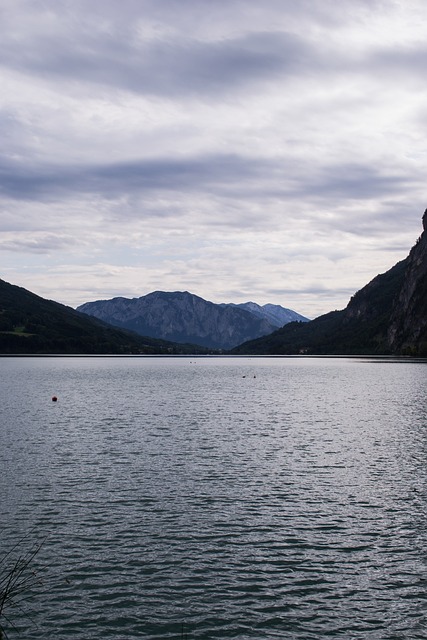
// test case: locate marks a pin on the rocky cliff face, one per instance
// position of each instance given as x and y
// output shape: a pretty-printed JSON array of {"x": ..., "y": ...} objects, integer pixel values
[
  {"x": 408, "y": 322},
  {"x": 185, "y": 318},
  {"x": 397, "y": 302}
]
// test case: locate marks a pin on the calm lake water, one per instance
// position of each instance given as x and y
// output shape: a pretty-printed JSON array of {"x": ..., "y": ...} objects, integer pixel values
[{"x": 204, "y": 498}]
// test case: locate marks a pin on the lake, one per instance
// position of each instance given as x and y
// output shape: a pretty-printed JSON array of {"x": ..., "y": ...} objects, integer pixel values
[{"x": 202, "y": 498}]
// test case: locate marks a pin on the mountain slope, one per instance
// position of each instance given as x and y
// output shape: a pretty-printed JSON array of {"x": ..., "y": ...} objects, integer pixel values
[
  {"x": 183, "y": 317},
  {"x": 387, "y": 316},
  {"x": 361, "y": 328},
  {"x": 31, "y": 324},
  {"x": 407, "y": 330}
]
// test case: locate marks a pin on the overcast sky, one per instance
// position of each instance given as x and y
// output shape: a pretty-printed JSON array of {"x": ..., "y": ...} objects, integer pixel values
[{"x": 271, "y": 151}]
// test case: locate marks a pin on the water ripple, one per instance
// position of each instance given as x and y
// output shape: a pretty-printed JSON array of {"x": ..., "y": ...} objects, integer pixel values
[{"x": 182, "y": 501}]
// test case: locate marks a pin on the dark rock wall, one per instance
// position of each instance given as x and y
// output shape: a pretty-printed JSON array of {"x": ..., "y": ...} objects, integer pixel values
[{"x": 408, "y": 321}]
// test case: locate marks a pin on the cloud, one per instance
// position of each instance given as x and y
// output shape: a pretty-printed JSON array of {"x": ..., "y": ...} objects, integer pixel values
[
  {"x": 63, "y": 47},
  {"x": 224, "y": 175},
  {"x": 171, "y": 68},
  {"x": 267, "y": 151},
  {"x": 37, "y": 243}
]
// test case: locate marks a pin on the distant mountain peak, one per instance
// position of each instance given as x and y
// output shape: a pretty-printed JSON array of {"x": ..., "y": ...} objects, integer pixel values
[
  {"x": 275, "y": 314},
  {"x": 183, "y": 317}
]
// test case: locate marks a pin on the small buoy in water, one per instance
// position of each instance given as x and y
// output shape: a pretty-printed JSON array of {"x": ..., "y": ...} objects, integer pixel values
[{"x": 54, "y": 399}]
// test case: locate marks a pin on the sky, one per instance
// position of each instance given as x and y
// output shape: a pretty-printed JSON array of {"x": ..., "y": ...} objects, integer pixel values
[{"x": 241, "y": 150}]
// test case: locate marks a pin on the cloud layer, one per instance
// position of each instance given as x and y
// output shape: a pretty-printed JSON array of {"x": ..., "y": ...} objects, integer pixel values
[{"x": 239, "y": 150}]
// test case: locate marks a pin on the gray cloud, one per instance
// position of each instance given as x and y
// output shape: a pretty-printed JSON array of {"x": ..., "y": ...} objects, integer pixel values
[
  {"x": 225, "y": 176},
  {"x": 239, "y": 145},
  {"x": 21, "y": 181},
  {"x": 179, "y": 65},
  {"x": 112, "y": 52},
  {"x": 173, "y": 67},
  {"x": 40, "y": 245},
  {"x": 401, "y": 61}
]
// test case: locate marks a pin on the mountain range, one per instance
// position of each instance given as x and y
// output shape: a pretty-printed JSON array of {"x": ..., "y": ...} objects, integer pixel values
[
  {"x": 387, "y": 316},
  {"x": 183, "y": 317},
  {"x": 32, "y": 325}
]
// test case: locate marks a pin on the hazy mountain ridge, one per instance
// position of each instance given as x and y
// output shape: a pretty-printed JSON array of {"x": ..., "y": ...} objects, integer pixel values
[
  {"x": 181, "y": 316},
  {"x": 275, "y": 314},
  {"x": 387, "y": 316}
]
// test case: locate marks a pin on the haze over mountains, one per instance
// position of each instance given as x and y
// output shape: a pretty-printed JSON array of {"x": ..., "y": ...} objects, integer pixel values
[{"x": 183, "y": 317}]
